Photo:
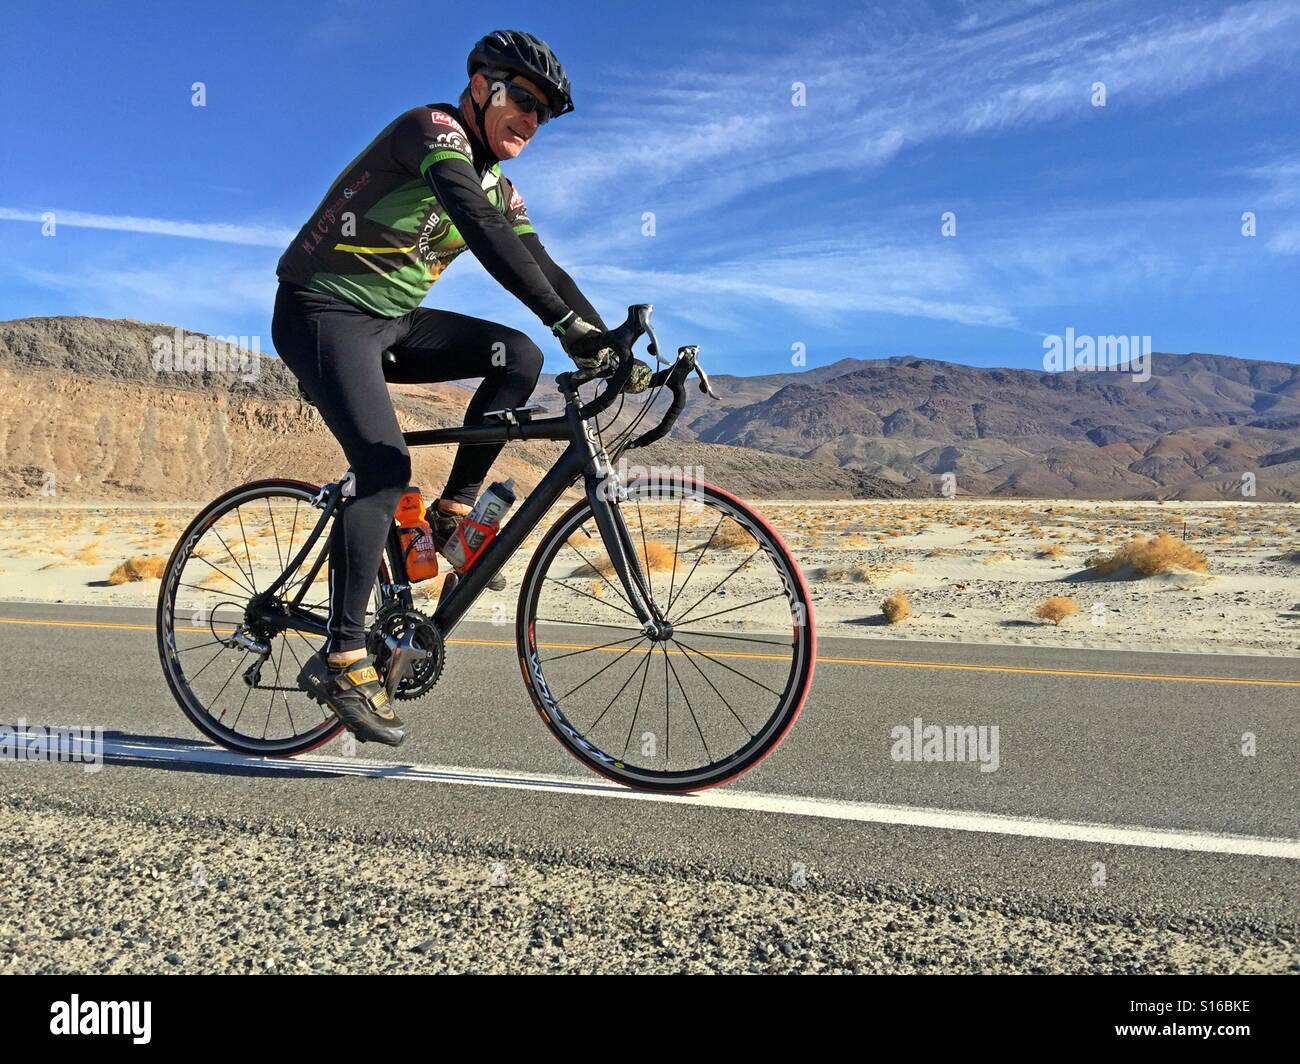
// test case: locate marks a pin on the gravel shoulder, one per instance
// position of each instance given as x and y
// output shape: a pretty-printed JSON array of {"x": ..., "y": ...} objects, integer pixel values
[{"x": 129, "y": 890}]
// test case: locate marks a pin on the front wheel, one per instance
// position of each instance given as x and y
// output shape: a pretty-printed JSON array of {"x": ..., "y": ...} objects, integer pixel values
[{"x": 715, "y": 693}]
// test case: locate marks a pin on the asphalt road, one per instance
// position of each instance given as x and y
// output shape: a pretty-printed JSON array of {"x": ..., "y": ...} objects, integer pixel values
[{"x": 1147, "y": 743}]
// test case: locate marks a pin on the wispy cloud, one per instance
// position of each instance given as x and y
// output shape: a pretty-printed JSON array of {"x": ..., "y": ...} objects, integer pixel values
[
  {"x": 871, "y": 95},
  {"x": 221, "y": 232},
  {"x": 163, "y": 292}
]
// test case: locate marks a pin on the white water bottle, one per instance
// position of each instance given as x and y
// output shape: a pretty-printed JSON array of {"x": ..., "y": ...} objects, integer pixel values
[{"x": 479, "y": 526}]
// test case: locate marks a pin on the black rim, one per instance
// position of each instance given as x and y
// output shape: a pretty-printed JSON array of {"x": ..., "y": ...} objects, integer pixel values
[{"x": 234, "y": 550}]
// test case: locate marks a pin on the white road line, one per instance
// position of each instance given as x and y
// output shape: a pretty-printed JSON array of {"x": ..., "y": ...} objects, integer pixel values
[{"x": 725, "y": 798}]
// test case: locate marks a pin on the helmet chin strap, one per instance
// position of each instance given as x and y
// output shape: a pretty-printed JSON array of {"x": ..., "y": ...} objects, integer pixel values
[{"x": 480, "y": 134}]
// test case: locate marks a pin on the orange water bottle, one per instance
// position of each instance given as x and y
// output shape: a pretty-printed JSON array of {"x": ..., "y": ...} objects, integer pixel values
[{"x": 416, "y": 537}]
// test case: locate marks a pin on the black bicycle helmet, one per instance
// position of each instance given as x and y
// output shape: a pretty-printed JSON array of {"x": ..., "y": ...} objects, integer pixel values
[{"x": 516, "y": 52}]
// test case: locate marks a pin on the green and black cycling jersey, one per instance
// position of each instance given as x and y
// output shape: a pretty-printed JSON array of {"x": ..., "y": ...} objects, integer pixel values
[{"x": 425, "y": 189}]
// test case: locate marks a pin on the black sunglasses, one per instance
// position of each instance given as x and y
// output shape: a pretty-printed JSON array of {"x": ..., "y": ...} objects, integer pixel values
[{"x": 528, "y": 103}]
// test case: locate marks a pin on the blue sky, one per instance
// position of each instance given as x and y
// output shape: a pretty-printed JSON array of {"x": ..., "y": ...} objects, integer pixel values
[{"x": 775, "y": 225}]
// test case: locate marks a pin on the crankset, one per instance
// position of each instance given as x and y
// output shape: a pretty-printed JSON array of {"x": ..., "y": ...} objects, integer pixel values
[{"x": 408, "y": 650}]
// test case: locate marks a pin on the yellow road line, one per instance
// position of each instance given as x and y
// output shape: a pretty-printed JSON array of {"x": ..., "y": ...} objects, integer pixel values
[{"x": 880, "y": 662}]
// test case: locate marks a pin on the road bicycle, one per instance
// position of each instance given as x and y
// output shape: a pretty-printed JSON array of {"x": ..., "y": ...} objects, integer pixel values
[{"x": 664, "y": 630}]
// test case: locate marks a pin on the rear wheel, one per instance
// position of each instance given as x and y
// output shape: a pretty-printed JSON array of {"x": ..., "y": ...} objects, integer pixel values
[
  {"x": 707, "y": 700},
  {"x": 235, "y": 680}
]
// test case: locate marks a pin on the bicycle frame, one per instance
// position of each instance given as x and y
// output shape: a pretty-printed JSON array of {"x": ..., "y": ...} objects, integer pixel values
[{"x": 583, "y": 457}]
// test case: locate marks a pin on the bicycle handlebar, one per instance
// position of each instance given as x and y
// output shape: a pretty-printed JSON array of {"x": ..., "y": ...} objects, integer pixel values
[{"x": 621, "y": 339}]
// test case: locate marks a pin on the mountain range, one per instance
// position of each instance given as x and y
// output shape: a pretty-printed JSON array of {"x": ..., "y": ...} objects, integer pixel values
[{"x": 83, "y": 399}]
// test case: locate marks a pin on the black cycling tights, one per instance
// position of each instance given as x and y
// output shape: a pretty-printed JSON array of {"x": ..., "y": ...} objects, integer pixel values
[{"x": 336, "y": 352}]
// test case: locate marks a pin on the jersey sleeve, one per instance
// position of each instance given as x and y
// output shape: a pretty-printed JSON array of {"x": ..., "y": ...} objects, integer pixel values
[{"x": 427, "y": 135}]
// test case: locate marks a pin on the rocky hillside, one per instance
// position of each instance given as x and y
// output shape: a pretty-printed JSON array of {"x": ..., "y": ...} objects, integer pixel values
[
  {"x": 86, "y": 406},
  {"x": 1191, "y": 431}
]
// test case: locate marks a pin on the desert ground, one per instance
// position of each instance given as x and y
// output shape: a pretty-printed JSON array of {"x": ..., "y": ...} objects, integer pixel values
[{"x": 968, "y": 570}]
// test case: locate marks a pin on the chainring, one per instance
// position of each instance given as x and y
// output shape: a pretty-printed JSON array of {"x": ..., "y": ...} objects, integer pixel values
[{"x": 396, "y": 621}]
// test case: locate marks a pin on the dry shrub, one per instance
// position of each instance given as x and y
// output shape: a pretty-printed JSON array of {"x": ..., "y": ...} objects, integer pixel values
[
  {"x": 1159, "y": 554},
  {"x": 843, "y": 574},
  {"x": 141, "y": 567},
  {"x": 1056, "y": 609},
  {"x": 598, "y": 588},
  {"x": 1051, "y": 551},
  {"x": 997, "y": 559},
  {"x": 728, "y": 536},
  {"x": 896, "y": 608},
  {"x": 938, "y": 552},
  {"x": 655, "y": 557},
  {"x": 88, "y": 555},
  {"x": 858, "y": 541}
]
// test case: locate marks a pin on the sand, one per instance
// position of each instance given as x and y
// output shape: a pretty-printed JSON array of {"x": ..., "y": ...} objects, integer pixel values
[{"x": 973, "y": 570}]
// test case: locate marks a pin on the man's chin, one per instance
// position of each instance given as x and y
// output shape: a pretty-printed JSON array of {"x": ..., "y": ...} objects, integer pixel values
[{"x": 510, "y": 147}]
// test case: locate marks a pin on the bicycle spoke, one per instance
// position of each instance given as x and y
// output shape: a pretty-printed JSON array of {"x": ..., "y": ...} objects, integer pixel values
[
  {"x": 587, "y": 624},
  {"x": 742, "y": 606},
  {"x": 200, "y": 646},
  {"x": 667, "y": 715},
  {"x": 585, "y": 650},
  {"x": 718, "y": 693},
  {"x": 205, "y": 590},
  {"x": 239, "y": 512},
  {"x": 681, "y": 589},
  {"x": 274, "y": 534},
  {"x": 598, "y": 672},
  {"x": 612, "y": 700},
  {"x": 248, "y": 693},
  {"x": 594, "y": 598},
  {"x": 737, "y": 638},
  {"x": 208, "y": 662},
  {"x": 693, "y": 650},
  {"x": 617, "y": 591},
  {"x": 677, "y": 543},
  {"x": 721, "y": 582},
  {"x": 271, "y": 704},
  {"x": 645, "y": 553},
  {"x": 222, "y": 689},
  {"x": 199, "y": 557},
  {"x": 690, "y": 708},
  {"x": 293, "y": 528},
  {"x": 645, "y": 673}
]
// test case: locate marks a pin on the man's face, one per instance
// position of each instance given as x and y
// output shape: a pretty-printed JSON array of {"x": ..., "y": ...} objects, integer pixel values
[{"x": 507, "y": 129}]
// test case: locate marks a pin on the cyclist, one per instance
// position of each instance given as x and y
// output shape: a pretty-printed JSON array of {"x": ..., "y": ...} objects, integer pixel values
[{"x": 351, "y": 283}]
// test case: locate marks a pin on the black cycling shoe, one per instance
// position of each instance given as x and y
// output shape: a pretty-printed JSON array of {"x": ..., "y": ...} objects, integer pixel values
[
  {"x": 443, "y": 526},
  {"x": 354, "y": 694}
]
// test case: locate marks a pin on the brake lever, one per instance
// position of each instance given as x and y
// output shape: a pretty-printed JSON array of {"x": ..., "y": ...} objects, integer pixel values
[{"x": 704, "y": 384}]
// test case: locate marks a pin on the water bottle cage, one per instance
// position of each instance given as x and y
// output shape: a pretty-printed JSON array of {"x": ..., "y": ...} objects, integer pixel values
[{"x": 470, "y": 558}]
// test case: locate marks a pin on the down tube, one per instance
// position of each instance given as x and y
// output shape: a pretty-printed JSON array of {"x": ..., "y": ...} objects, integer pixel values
[{"x": 454, "y": 606}]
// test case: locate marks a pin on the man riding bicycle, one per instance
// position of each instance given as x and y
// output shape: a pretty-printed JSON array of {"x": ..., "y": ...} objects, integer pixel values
[{"x": 351, "y": 283}]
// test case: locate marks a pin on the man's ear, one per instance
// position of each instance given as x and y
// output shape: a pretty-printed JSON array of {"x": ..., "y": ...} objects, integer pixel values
[{"x": 479, "y": 88}]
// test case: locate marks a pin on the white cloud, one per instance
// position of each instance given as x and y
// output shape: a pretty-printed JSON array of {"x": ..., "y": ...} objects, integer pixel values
[{"x": 221, "y": 232}]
